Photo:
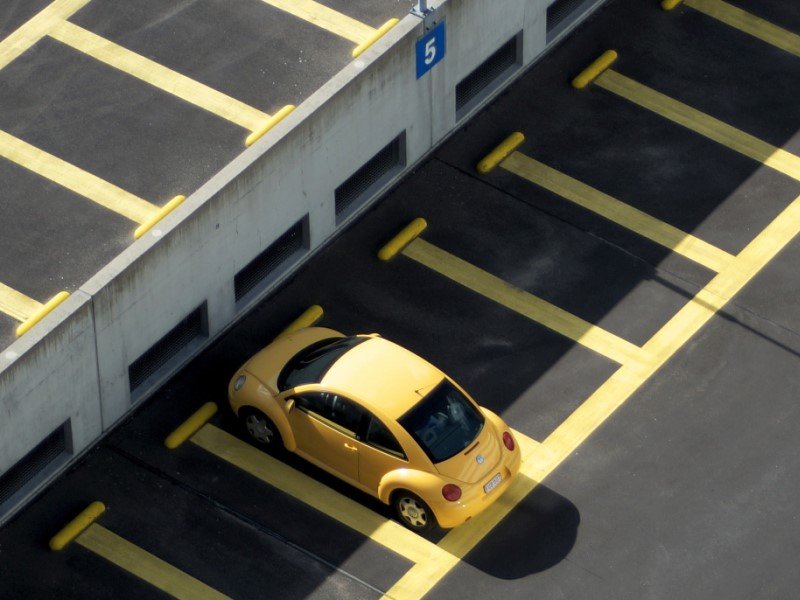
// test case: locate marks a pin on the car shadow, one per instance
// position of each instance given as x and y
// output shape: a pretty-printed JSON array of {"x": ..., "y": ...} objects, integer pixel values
[{"x": 537, "y": 535}]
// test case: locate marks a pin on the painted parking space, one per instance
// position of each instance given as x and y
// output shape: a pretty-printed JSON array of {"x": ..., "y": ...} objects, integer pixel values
[
  {"x": 153, "y": 539},
  {"x": 134, "y": 108}
]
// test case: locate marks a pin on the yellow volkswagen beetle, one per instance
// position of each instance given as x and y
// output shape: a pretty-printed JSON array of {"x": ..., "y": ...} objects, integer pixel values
[{"x": 380, "y": 418}]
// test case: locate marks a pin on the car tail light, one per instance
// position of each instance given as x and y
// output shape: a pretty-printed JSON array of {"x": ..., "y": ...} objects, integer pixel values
[
  {"x": 451, "y": 492},
  {"x": 508, "y": 441}
]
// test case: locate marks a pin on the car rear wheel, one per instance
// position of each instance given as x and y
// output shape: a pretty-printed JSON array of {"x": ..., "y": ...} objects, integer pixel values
[
  {"x": 261, "y": 429},
  {"x": 413, "y": 511}
]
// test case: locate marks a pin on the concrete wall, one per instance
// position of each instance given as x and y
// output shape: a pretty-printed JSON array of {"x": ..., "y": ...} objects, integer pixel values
[
  {"x": 74, "y": 366},
  {"x": 49, "y": 380}
]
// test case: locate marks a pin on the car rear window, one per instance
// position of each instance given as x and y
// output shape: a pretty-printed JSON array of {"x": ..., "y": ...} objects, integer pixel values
[
  {"x": 443, "y": 423},
  {"x": 311, "y": 363}
]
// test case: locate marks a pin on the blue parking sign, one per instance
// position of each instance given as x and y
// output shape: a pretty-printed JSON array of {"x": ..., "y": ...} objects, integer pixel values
[{"x": 430, "y": 49}]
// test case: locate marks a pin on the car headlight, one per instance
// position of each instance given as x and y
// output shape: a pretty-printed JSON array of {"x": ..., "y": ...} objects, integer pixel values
[{"x": 239, "y": 383}]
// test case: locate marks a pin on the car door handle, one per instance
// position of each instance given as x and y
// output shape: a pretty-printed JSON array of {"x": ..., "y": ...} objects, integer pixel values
[{"x": 349, "y": 447}]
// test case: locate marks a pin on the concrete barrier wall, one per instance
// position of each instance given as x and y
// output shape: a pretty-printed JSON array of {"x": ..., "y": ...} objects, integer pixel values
[
  {"x": 49, "y": 382},
  {"x": 74, "y": 366}
]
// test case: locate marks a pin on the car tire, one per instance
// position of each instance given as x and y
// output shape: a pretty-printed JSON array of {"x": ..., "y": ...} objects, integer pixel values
[
  {"x": 413, "y": 511},
  {"x": 260, "y": 428}
]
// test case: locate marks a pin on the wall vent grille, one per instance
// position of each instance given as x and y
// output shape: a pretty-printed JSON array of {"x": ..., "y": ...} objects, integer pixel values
[
  {"x": 278, "y": 256},
  {"x": 376, "y": 171},
  {"x": 562, "y": 13},
  {"x": 487, "y": 76},
  {"x": 162, "y": 352},
  {"x": 33, "y": 463}
]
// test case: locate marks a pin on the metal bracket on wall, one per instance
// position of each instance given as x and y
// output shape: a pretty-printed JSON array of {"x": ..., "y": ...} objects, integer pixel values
[{"x": 428, "y": 14}]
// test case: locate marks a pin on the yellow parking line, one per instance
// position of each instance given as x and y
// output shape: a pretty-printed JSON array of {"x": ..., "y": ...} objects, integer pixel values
[
  {"x": 158, "y": 75},
  {"x": 524, "y": 303},
  {"x": 697, "y": 121},
  {"x": 388, "y": 533},
  {"x": 71, "y": 177},
  {"x": 326, "y": 18},
  {"x": 685, "y": 324},
  {"x": 144, "y": 565},
  {"x": 748, "y": 23},
  {"x": 541, "y": 460},
  {"x": 612, "y": 209},
  {"x": 16, "y": 304},
  {"x": 36, "y": 28}
]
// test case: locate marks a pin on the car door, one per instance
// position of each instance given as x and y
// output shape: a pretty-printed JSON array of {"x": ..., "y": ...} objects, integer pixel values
[
  {"x": 325, "y": 426},
  {"x": 379, "y": 453}
]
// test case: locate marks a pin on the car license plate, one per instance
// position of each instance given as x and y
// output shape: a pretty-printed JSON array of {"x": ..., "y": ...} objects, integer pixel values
[{"x": 493, "y": 483}]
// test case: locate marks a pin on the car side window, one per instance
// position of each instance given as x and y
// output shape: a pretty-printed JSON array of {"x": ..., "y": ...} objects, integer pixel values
[
  {"x": 336, "y": 411},
  {"x": 379, "y": 436}
]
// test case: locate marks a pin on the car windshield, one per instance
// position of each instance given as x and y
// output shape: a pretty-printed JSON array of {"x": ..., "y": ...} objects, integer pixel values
[
  {"x": 443, "y": 423},
  {"x": 311, "y": 363}
]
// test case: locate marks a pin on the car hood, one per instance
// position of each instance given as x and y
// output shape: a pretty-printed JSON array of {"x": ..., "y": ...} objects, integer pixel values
[{"x": 476, "y": 462}]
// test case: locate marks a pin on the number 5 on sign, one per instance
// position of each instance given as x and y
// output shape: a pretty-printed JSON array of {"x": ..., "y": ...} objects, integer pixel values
[{"x": 430, "y": 49}]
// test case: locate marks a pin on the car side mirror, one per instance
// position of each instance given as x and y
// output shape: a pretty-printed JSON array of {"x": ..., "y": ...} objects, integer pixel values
[{"x": 289, "y": 405}]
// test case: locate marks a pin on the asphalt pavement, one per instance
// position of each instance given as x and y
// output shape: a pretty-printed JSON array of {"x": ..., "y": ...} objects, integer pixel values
[{"x": 621, "y": 289}]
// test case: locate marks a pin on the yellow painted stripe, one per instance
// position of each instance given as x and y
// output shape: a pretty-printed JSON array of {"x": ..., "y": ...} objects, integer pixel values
[
  {"x": 326, "y": 18},
  {"x": 540, "y": 460},
  {"x": 16, "y": 304},
  {"x": 36, "y": 28},
  {"x": 623, "y": 214},
  {"x": 279, "y": 475},
  {"x": 526, "y": 304},
  {"x": 71, "y": 177},
  {"x": 685, "y": 324},
  {"x": 748, "y": 23},
  {"x": 697, "y": 121},
  {"x": 165, "y": 79},
  {"x": 145, "y": 566}
]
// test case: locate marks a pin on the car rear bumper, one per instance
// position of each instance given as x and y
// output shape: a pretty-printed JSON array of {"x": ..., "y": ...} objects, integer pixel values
[{"x": 474, "y": 499}]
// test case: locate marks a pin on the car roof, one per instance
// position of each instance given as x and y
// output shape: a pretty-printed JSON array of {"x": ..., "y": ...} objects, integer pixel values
[{"x": 384, "y": 377}]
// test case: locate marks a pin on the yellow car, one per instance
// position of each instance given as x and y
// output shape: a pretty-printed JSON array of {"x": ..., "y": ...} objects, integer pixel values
[{"x": 380, "y": 418}]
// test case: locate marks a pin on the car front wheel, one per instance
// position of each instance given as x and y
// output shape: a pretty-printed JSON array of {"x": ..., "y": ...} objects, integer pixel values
[
  {"x": 261, "y": 429},
  {"x": 413, "y": 512}
]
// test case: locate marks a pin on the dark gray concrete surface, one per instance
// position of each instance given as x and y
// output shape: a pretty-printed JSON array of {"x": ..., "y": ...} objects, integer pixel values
[
  {"x": 16, "y": 12},
  {"x": 687, "y": 491}
]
